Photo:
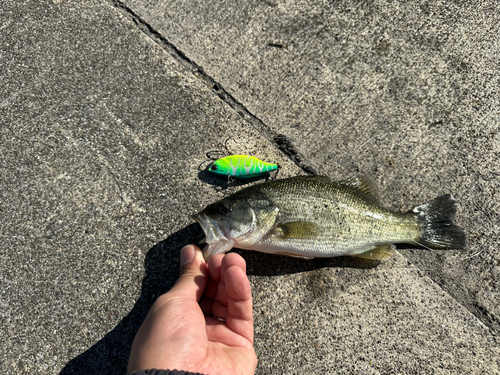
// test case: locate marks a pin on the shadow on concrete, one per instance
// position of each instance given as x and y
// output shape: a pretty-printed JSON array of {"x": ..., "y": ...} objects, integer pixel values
[
  {"x": 110, "y": 354},
  {"x": 260, "y": 264},
  {"x": 222, "y": 182}
]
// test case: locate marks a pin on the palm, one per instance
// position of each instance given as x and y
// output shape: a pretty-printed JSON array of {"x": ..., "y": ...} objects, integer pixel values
[{"x": 214, "y": 336}]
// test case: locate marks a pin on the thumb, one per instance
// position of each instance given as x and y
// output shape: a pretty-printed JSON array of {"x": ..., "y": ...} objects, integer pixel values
[{"x": 194, "y": 273}]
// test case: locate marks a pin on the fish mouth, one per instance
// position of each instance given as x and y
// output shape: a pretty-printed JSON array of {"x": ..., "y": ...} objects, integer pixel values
[
  {"x": 212, "y": 229},
  {"x": 216, "y": 239}
]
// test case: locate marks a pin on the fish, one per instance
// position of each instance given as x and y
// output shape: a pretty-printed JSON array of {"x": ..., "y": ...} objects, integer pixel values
[
  {"x": 241, "y": 166},
  {"x": 316, "y": 217}
]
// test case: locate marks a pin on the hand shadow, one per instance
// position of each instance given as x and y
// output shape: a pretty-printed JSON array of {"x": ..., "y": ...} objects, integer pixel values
[{"x": 110, "y": 354}]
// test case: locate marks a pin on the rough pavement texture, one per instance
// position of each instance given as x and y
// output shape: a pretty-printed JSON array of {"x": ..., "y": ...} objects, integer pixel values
[
  {"x": 102, "y": 135},
  {"x": 419, "y": 81}
]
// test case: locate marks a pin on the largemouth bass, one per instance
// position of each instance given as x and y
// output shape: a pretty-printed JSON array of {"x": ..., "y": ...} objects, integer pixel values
[{"x": 310, "y": 217}]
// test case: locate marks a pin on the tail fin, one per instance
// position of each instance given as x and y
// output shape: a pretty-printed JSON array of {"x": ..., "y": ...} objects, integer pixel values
[{"x": 438, "y": 231}]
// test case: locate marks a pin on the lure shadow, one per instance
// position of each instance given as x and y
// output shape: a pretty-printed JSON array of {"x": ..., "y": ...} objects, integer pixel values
[
  {"x": 222, "y": 182},
  {"x": 110, "y": 354}
]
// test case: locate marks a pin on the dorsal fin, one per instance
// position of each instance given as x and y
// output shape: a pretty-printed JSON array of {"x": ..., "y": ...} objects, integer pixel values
[{"x": 362, "y": 185}]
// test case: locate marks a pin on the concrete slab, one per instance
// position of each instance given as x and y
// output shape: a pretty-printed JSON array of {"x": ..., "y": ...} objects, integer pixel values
[
  {"x": 102, "y": 136},
  {"x": 418, "y": 80},
  {"x": 101, "y": 139},
  {"x": 343, "y": 317}
]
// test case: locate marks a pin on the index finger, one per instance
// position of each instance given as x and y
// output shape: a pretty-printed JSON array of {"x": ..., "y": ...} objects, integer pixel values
[{"x": 239, "y": 301}]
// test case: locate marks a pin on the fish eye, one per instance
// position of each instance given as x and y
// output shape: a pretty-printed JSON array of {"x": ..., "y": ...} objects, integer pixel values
[
  {"x": 213, "y": 167},
  {"x": 221, "y": 209}
]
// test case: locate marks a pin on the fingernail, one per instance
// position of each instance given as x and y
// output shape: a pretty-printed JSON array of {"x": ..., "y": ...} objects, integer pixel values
[{"x": 187, "y": 255}]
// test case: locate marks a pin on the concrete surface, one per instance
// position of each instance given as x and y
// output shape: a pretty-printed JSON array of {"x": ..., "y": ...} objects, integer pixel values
[
  {"x": 104, "y": 126},
  {"x": 419, "y": 81}
]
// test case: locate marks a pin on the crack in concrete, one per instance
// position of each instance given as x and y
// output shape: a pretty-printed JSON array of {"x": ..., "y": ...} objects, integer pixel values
[{"x": 280, "y": 141}]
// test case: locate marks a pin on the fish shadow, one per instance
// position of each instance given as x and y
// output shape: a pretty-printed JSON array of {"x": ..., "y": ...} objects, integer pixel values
[
  {"x": 110, "y": 354},
  {"x": 260, "y": 264}
]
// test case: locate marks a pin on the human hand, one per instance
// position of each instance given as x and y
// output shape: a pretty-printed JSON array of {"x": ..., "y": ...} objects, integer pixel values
[{"x": 204, "y": 323}]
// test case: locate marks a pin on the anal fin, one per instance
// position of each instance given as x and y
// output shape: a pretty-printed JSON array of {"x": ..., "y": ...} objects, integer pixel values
[{"x": 379, "y": 252}]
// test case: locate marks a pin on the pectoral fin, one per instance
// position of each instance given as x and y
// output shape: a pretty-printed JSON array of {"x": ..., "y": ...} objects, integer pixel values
[
  {"x": 297, "y": 230},
  {"x": 378, "y": 252}
]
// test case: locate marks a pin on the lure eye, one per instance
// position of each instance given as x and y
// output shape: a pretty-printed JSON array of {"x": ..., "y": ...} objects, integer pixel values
[
  {"x": 213, "y": 167},
  {"x": 221, "y": 209}
]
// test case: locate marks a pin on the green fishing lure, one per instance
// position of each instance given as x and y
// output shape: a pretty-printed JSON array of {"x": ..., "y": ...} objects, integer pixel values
[{"x": 241, "y": 166}]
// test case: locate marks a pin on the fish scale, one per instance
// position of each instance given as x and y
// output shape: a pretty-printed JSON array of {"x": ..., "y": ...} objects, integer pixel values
[
  {"x": 313, "y": 216},
  {"x": 347, "y": 223}
]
